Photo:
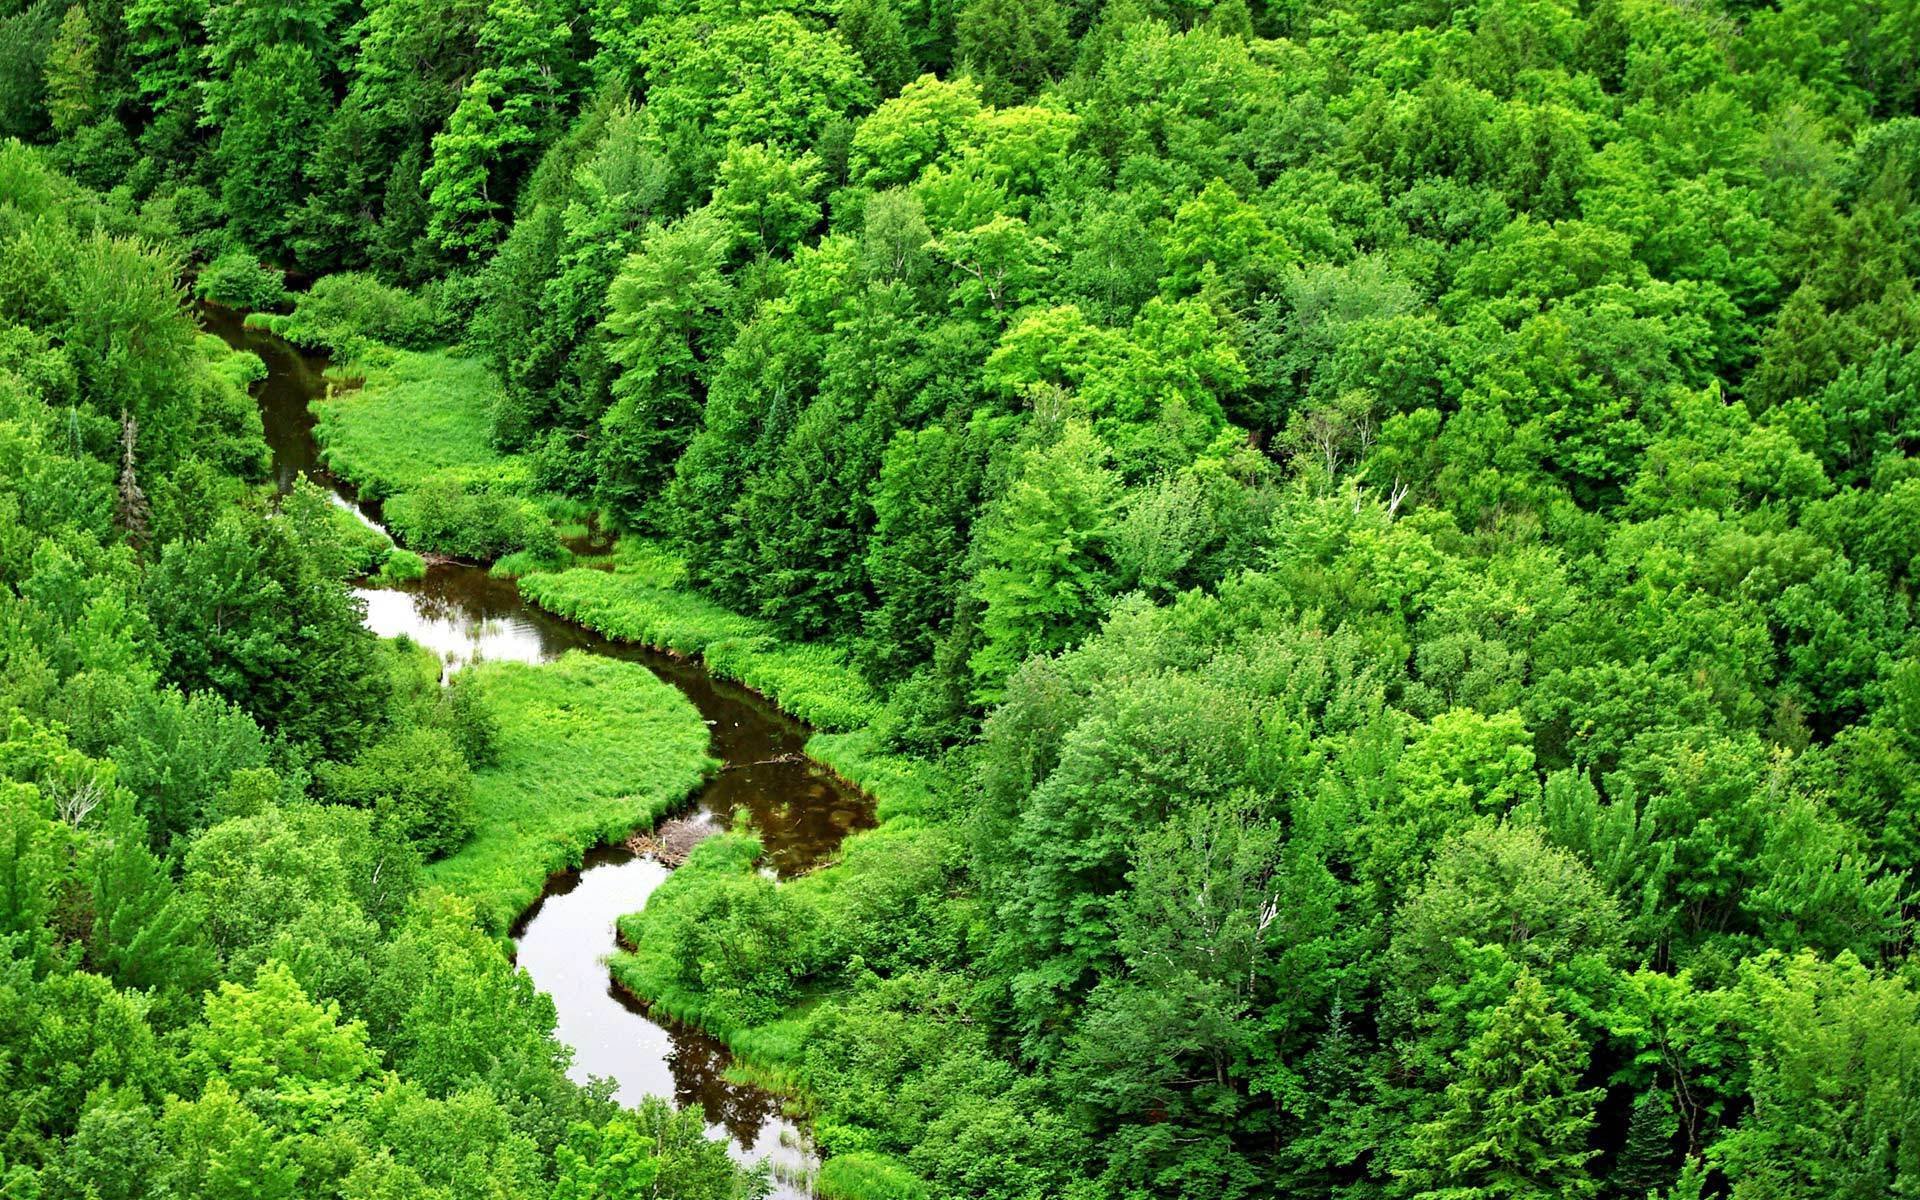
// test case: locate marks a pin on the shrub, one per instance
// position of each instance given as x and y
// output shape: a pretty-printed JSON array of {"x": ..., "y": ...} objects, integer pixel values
[
  {"x": 418, "y": 784},
  {"x": 447, "y": 517},
  {"x": 402, "y": 566},
  {"x": 238, "y": 280},
  {"x": 718, "y": 943},
  {"x": 346, "y": 312}
]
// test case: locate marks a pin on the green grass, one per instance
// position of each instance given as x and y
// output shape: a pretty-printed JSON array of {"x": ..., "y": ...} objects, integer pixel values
[
  {"x": 419, "y": 415},
  {"x": 590, "y": 749},
  {"x": 641, "y": 599},
  {"x": 901, "y": 786},
  {"x": 866, "y": 1176}
]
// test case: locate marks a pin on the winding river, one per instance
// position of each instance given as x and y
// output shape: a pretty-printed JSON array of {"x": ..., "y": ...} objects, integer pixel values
[{"x": 800, "y": 810}]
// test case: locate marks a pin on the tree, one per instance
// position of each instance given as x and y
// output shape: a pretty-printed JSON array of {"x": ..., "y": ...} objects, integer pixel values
[
  {"x": 461, "y": 180},
  {"x": 662, "y": 309},
  {"x": 418, "y": 785},
  {"x": 248, "y": 613},
  {"x": 147, "y": 934},
  {"x": 270, "y": 1037},
  {"x": 73, "y": 84},
  {"x": 1012, "y": 48},
  {"x": 1041, "y": 552},
  {"x": 768, "y": 197},
  {"x": 1515, "y": 1123},
  {"x": 271, "y": 116}
]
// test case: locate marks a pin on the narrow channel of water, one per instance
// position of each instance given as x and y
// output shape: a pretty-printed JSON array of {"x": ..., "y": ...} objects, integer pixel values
[{"x": 800, "y": 811}]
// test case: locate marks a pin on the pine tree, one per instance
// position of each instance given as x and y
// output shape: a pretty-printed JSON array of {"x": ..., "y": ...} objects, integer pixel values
[
  {"x": 1515, "y": 1121},
  {"x": 131, "y": 510},
  {"x": 73, "y": 77}
]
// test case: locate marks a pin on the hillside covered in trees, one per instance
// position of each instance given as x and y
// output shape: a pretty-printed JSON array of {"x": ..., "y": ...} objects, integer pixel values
[{"x": 1364, "y": 548}]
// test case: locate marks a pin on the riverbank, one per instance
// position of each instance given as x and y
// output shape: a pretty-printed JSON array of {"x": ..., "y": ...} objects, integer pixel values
[
  {"x": 772, "y": 970},
  {"x": 589, "y": 750},
  {"x": 781, "y": 973},
  {"x": 539, "y": 807},
  {"x": 638, "y": 595}
]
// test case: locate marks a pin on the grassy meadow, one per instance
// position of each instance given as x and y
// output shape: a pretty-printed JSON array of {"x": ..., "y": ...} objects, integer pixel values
[
  {"x": 590, "y": 749},
  {"x": 642, "y": 599}
]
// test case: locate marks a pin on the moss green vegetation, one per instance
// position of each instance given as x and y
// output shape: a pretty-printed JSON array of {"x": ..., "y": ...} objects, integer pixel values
[
  {"x": 415, "y": 434},
  {"x": 641, "y": 599},
  {"x": 589, "y": 749},
  {"x": 419, "y": 414}
]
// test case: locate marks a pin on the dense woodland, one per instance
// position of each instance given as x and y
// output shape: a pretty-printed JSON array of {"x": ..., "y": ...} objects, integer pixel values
[{"x": 1366, "y": 547}]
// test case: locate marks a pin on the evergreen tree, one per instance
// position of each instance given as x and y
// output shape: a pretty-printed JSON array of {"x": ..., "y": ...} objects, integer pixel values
[
  {"x": 1514, "y": 1124},
  {"x": 73, "y": 74}
]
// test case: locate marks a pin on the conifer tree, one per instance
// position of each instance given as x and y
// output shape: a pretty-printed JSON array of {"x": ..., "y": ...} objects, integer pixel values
[{"x": 1515, "y": 1121}]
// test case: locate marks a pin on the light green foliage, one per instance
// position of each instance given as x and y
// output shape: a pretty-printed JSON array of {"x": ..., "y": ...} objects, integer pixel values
[
  {"x": 716, "y": 943},
  {"x": 589, "y": 750},
  {"x": 237, "y": 280},
  {"x": 643, "y": 603},
  {"x": 662, "y": 310},
  {"x": 1042, "y": 572},
  {"x": 411, "y": 418},
  {"x": 402, "y": 566},
  {"x": 353, "y": 314},
  {"x": 72, "y": 73},
  {"x": 418, "y": 785},
  {"x": 414, "y": 433}
]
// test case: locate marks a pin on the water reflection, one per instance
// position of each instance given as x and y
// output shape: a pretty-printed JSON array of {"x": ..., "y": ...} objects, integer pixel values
[{"x": 800, "y": 811}]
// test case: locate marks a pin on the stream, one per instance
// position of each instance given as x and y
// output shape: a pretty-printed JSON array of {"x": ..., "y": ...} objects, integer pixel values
[{"x": 800, "y": 811}]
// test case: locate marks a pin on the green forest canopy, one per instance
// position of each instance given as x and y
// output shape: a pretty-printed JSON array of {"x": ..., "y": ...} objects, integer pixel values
[{"x": 1389, "y": 527}]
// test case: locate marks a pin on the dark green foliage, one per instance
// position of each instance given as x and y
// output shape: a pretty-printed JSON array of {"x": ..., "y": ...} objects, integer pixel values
[
  {"x": 1392, "y": 525},
  {"x": 247, "y": 612}
]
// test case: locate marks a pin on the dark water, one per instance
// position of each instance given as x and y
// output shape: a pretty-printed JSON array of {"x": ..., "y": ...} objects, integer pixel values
[{"x": 799, "y": 810}]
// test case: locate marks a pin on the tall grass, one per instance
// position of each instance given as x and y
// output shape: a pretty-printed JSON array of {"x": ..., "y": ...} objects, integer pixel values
[
  {"x": 589, "y": 750},
  {"x": 867, "y": 1176},
  {"x": 901, "y": 786},
  {"x": 419, "y": 415},
  {"x": 635, "y": 603}
]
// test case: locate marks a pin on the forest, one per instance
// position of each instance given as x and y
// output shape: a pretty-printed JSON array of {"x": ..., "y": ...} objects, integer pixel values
[{"x": 1362, "y": 552}]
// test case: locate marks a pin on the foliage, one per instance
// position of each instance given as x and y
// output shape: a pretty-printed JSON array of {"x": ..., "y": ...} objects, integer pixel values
[
  {"x": 589, "y": 750},
  {"x": 1389, "y": 524},
  {"x": 237, "y": 280}
]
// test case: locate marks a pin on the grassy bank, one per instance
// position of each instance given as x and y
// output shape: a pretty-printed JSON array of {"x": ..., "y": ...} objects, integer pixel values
[
  {"x": 590, "y": 749},
  {"x": 415, "y": 415},
  {"x": 416, "y": 435},
  {"x": 780, "y": 971},
  {"x": 641, "y": 599}
]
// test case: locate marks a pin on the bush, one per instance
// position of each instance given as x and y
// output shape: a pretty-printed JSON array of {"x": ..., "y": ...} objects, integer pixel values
[
  {"x": 418, "y": 784},
  {"x": 447, "y": 517},
  {"x": 237, "y": 280},
  {"x": 719, "y": 943},
  {"x": 864, "y": 1176},
  {"x": 402, "y": 566},
  {"x": 346, "y": 312}
]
